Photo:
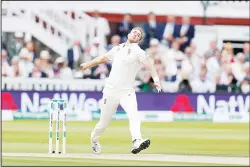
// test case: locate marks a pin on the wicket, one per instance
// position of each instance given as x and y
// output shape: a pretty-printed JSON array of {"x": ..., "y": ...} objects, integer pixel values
[{"x": 56, "y": 107}]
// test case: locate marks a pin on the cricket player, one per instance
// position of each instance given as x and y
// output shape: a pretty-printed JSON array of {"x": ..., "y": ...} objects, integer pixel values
[{"x": 127, "y": 59}]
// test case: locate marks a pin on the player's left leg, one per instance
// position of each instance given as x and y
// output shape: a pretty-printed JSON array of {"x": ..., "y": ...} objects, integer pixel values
[{"x": 129, "y": 104}]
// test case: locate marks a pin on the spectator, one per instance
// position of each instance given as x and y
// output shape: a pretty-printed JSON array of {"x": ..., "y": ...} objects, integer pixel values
[
  {"x": 246, "y": 69},
  {"x": 237, "y": 67},
  {"x": 125, "y": 27},
  {"x": 173, "y": 51},
  {"x": 100, "y": 72},
  {"x": 185, "y": 87},
  {"x": 184, "y": 67},
  {"x": 172, "y": 77},
  {"x": 227, "y": 53},
  {"x": 96, "y": 49},
  {"x": 159, "y": 66},
  {"x": 171, "y": 71},
  {"x": 15, "y": 66},
  {"x": 173, "y": 63},
  {"x": 4, "y": 46},
  {"x": 74, "y": 54},
  {"x": 153, "y": 50},
  {"x": 246, "y": 50},
  {"x": 152, "y": 29},
  {"x": 100, "y": 28},
  {"x": 115, "y": 41},
  {"x": 156, "y": 49},
  {"x": 245, "y": 84},
  {"x": 46, "y": 65},
  {"x": 234, "y": 85},
  {"x": 31, "y": 49},
  {"x": 6, "y": 68},
  {"x": 147, "y": 85},
  {"x": 194, "y": 59},
  {"x": 194, "y": 49},
  {"x": 212, "y": 48},
  {"x": 213, "y": 65},
  {"x": 223, "y": 79},
  {"x": 62, "y": 70},
  {"x": 187, "y": 32},
  {"x": 25, "y": 65},
  {"x": 144, "y": 76},
  {"x": 36, "y": 71},
  {"x": 170, "y": 31},
  {"x": 15, "y": 47},
  {"x": 202, "y": 84}
]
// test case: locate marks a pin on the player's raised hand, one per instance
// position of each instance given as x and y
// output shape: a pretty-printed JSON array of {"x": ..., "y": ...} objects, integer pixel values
[
  {"x": 84, "y": 66},
  {"x": 158, "y": 86}
]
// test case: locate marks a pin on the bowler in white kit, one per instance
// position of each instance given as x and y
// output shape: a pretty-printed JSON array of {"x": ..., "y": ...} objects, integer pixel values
[{"x": 127, "y": 59}]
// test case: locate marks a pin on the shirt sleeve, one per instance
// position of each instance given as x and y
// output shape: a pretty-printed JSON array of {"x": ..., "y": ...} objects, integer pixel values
[
  {"x": 141, "y": 56},
  {"x": 110, "y": 54}
]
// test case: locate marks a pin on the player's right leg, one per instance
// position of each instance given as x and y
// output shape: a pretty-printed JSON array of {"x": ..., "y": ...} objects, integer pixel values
[{"x": 108, "y": 107}]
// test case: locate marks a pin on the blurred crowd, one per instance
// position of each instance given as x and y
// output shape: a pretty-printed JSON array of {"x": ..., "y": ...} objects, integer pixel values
[{"x": 169, "y": 47}]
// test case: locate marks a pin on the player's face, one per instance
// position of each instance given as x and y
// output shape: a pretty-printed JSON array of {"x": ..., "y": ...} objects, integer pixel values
[{"x": 134, "y": 36}]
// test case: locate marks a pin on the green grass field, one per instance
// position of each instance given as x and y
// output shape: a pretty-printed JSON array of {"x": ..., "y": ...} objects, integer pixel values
[{"x": 184, "y": 138}]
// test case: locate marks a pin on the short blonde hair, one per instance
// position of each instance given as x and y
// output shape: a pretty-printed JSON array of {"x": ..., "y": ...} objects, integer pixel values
[{"x": 140, "y": 29}]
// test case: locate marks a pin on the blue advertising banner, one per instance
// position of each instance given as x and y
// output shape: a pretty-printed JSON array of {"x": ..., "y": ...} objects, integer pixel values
[{"x": 33, "y": 101}]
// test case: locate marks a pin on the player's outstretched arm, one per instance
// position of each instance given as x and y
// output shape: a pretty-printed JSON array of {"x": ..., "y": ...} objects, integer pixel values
[
  {"x": 96, "y": 61},
  {"x": 153, "y": 72}
]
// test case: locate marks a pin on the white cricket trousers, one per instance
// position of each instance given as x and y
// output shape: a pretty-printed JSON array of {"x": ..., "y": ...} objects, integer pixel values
[{"x": 108, "y": 107}]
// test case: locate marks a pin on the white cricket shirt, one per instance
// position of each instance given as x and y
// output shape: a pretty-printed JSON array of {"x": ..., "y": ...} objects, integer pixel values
[{"x": 126, "y": 62}]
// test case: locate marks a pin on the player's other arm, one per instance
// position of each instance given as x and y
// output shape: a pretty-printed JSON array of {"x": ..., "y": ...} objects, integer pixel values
[
  {"x": 99, "y": 60},
  {"x": 145, "y": 61},
  {"x": 96, "y": 61}
]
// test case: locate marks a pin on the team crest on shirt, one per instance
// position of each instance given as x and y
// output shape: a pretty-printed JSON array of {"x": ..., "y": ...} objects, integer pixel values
[
  {"x": 119, "y": 47},
  {"x": 129, "y": 51}
]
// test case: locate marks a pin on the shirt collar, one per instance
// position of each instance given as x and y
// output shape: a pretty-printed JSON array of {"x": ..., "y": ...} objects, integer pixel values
[{"x": 130, "y": 44}]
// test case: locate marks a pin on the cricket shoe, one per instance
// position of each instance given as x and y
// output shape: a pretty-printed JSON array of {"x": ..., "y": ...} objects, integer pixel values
[
  {"x": 139, "y": 144},
  {"x": 96, "y": 147}
]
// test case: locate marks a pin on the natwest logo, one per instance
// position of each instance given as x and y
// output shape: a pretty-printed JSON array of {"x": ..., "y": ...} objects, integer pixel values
[
  {"x": 8, "y": 102},
  {"x": 182, "y": 104},
  {"x": 76, "y": 102},
  {"x": 235, "y": 103}
]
